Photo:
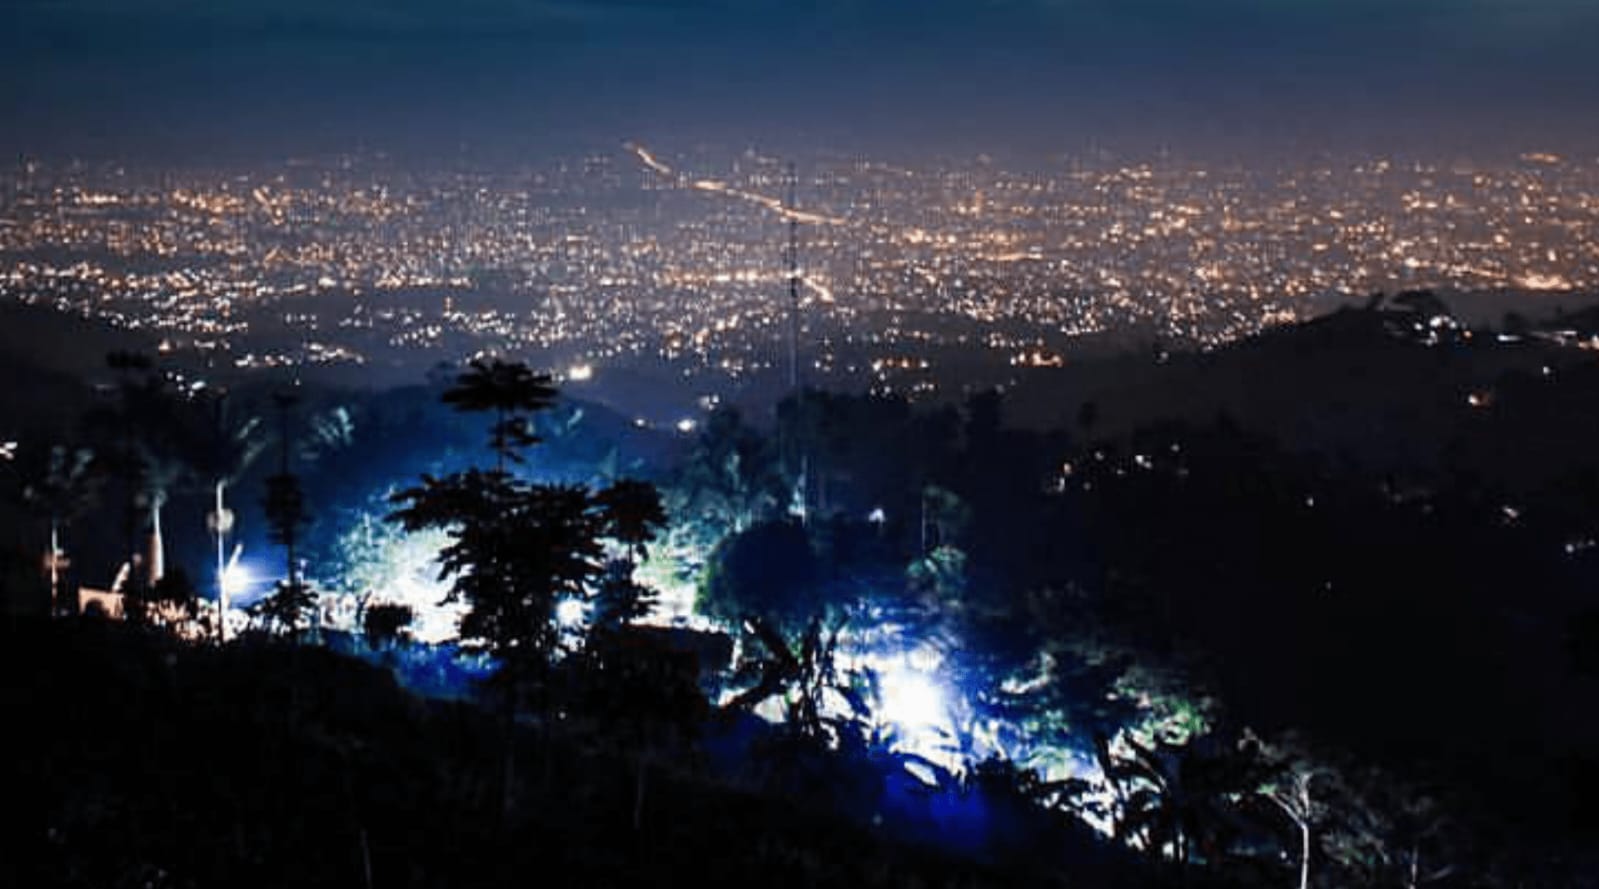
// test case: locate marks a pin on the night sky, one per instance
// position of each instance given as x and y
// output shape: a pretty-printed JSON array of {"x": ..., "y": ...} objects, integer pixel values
[{"x": 221, "y": 77}]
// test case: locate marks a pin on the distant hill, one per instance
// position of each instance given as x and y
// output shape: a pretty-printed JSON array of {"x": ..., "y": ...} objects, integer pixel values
[
  {"x": 45, "y": 357},
  {"x": 1350, "y": 386}
]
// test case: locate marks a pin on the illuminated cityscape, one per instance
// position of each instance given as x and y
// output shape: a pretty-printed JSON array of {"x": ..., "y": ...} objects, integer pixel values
[{"x": 626, "y": 256}]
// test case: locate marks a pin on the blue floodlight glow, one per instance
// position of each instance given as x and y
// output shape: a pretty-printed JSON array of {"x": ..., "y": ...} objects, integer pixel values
[
  {"x": 237, "y": 579},
  {"x": 920, "y": 708},
  {"x": 912, "y": 701}
]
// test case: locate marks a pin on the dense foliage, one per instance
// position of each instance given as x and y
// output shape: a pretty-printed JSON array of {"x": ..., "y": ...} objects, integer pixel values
[{"x": 1180, "y": 650}]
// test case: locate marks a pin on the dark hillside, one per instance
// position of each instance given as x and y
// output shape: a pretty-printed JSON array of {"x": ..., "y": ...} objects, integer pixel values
[{"x": 142, "y": 762}]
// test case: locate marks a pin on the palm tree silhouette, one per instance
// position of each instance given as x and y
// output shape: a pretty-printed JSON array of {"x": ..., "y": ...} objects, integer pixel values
[
  {"x": 293, "y": 600},
  {"x": 220, "y": 446},
  {"x": 512, "y": 392}
]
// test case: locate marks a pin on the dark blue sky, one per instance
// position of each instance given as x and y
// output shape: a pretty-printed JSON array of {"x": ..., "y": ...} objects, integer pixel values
[{"x": 217, "y": 77}]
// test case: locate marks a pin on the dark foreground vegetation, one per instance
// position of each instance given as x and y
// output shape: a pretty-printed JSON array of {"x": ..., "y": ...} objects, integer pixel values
[
  {"x": 140, "y": 761},
  {"x": 1336, "y": 629}
]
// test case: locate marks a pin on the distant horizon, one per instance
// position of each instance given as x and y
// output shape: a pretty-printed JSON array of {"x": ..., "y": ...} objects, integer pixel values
[
  {"x": 505, "y": 159},
  {"x": 255, "y": 79}
]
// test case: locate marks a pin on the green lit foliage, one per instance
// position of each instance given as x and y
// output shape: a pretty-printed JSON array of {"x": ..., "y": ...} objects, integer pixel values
[
  {"x": 730, "y": 481},
  {"x": 1295, "y": 786},
  {"x": 944, "y": 517},
  {"x": 939, "y": 578},
  {"x": 1379, "y": 830}
]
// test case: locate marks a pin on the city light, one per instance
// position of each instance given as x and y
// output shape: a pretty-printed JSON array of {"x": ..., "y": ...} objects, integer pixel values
[{"x": 896, "y": 268}]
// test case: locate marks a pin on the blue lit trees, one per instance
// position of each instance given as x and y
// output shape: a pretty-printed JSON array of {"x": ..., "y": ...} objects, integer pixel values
[{"x": 518, "y": 549}]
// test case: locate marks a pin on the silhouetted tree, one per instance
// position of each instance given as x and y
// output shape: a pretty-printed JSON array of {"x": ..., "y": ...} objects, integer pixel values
[
  {"x": 220, "y": 446},
  {"x": 1179, "y": 800},
  {"x": 513, "y": 393},
  {"x": 769, "y": 571},
  {"x": 516, "y": 550},
  {"x": 632, "y": 515},
  {"x": 385, "y": 623},
  {"x": 292, "y": 601},
  {"x": 1295, "y": 786},
  {"x": 289, "y": 606}
]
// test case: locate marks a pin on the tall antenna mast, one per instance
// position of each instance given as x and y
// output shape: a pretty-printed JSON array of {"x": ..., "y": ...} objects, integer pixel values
[
  {"x": 793, "y": 281},
  {"x": 800, "y": 504}
]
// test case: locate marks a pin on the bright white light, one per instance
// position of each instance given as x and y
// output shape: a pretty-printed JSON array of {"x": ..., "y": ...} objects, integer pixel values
[
  {"x": 236, "y": 579},
  {"x": 686, "y": 425},
  {"x": 912, "y": 701},
  {"x": 571, "y": 614},
  {"x": 8, "y": 450},
  {"x": 580, "y": 373}
]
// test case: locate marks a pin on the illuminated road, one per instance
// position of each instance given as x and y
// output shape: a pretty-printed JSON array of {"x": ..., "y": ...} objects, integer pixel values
[
  {"x": 823, "y": 292},
  {"x": 715, "y": 186},
  {"x": 648, "y": 159}
]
